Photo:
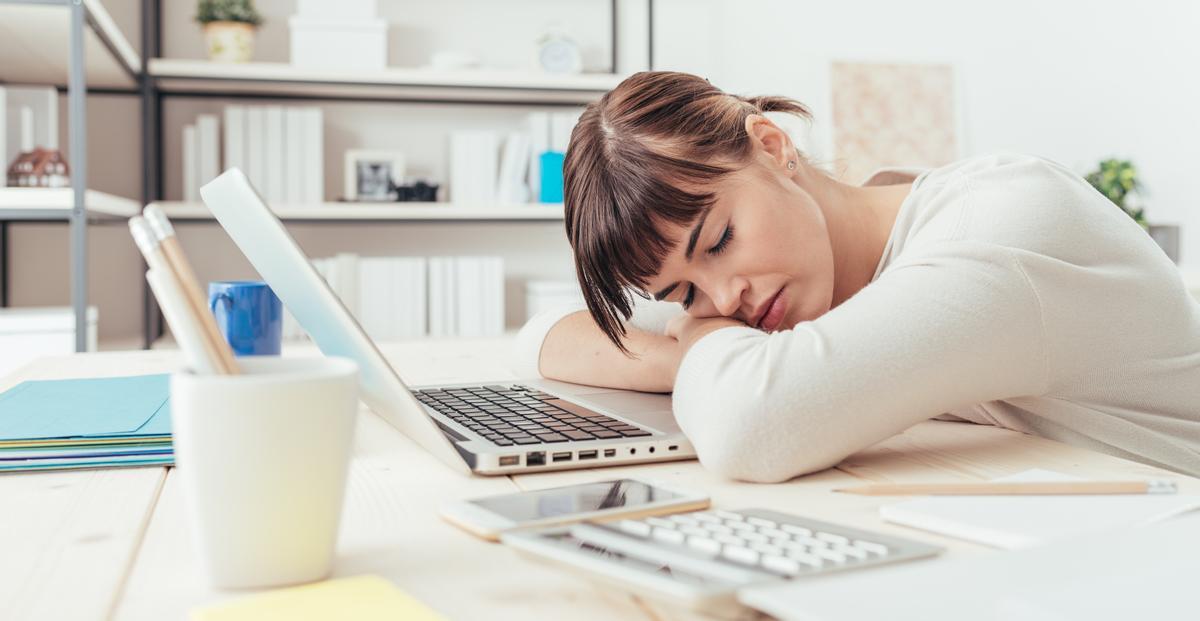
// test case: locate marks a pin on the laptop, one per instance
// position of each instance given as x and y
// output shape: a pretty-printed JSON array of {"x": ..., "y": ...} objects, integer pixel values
[{"x": 490, "y": 428}]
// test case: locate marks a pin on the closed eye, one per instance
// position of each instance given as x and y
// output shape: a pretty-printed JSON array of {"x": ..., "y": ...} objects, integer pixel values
[{"x": 721, "y": 245}]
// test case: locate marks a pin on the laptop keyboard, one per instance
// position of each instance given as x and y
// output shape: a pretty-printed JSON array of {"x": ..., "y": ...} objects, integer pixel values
[{"x": 518, "y": 415}]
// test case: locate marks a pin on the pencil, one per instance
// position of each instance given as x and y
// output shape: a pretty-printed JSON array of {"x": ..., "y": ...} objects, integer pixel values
[
  {"x": 1015, "y": 488},
  {"x": 190, "y": 287},
  {"x": 182, "y": 321}
]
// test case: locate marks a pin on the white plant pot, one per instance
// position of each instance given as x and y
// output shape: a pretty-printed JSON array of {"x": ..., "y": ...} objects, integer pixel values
[{"x": 229, "y": 42}]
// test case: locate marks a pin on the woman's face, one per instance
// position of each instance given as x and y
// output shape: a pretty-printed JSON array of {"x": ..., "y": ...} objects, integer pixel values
[{"x": 762, "y": 254}]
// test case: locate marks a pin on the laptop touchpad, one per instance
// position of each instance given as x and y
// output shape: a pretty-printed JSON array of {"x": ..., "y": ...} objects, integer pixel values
[{"x": 626, "y": 402}]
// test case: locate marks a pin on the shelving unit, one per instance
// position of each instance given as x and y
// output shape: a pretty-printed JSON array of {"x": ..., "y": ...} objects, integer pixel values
[
  {"x": 381, "y": 212},
  {"x": 181, "y": 78},
  {"x": 193, "y": 77},
  {"x": 32, "y": 33}
]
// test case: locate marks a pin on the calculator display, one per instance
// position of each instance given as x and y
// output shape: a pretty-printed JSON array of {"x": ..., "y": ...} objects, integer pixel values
[{"x": 583, "y": 498}]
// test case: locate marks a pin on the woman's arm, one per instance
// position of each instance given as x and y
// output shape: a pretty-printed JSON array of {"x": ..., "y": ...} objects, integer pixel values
[
  {"x": 956, "y": 326},
  {"x": 575, "y": 350}
]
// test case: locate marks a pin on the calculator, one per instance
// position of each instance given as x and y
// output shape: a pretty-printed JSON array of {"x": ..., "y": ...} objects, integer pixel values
[{"x": 700, "y": 559}]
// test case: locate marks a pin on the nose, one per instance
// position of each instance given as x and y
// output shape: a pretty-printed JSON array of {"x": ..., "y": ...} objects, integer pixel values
[{"x": 727, "y": 296}]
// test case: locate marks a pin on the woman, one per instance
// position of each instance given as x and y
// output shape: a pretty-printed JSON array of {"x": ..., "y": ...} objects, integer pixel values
[{"x": 822, "y": 318}]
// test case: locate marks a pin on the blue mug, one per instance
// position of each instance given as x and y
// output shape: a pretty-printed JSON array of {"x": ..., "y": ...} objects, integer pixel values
[{"x": 249, "y": 316}]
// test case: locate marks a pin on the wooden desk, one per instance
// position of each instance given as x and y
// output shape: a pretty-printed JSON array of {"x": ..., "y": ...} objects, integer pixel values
[{"x": 115, "y": 544}]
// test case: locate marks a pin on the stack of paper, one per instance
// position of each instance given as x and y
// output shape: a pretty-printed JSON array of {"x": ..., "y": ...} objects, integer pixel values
[{"x": 86, "y": 423}]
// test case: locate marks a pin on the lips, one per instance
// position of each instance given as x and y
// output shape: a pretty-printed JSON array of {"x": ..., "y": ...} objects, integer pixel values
[{"x": 771, "y": 314}]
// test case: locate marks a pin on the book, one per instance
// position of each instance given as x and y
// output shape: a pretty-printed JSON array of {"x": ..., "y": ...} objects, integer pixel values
[
  {"x": 314, "y": 153},
  {"x": 441, "y": 298},
  {"x": 256, "y": 153},
  {"x": 191, "y": 164},
  {"x": 539, "y": 142},
  {"x": 276, "y": 154},
  {"x": 208, "y": 143},
  {"x": 296, "y": 148},
  {"x": 511, "y": 188},
  {"x": 1013, "y": 522},
  {"x": 234, "y": 148}
]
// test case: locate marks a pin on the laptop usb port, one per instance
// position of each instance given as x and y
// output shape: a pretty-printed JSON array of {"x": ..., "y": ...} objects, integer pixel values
[
  {"x": 535, "y": 458},
  {"x": 562, "y": 456},
  {"x": 587, "y": 455},
  {"x": 510, "y": 460},
  {"x": 610, "y": 452}
]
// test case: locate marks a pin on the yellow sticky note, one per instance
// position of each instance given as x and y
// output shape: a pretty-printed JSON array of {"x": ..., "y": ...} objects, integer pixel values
[{"x": 363, "y": 598}]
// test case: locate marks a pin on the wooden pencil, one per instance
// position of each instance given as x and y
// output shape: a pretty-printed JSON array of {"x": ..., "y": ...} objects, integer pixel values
[
  {"x": 1015, "y": 488},
  {"x": 182, "y": 268}
]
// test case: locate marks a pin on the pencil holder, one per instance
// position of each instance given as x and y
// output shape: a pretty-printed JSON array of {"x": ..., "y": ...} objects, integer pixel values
[{"x": 262, "y": 457}]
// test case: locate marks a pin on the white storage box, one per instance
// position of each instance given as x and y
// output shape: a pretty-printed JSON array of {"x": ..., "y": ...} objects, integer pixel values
[
  {"x": 337, "y": 9},
  {"x": 341, "y": 44},
  {"x": 30, "y": 333},
  {"x": 543, "y": 294}
]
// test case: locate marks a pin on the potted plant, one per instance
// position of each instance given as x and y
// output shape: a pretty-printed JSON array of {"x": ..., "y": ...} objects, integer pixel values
[
  {"x": 229, "y": 27},
  {"x": 1118, "y": 180}
]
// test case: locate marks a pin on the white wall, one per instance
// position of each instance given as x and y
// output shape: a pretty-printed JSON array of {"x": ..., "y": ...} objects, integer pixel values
[{"x": 1073, "y": 81}]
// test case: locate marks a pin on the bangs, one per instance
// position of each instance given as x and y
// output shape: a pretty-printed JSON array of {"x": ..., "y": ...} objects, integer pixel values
[{"x": 615, "y": 226}]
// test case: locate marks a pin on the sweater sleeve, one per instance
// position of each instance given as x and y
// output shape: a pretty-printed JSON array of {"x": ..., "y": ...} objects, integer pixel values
[
  {"x": 648, "y": 315},
  {"x": 958, "y": 325}
]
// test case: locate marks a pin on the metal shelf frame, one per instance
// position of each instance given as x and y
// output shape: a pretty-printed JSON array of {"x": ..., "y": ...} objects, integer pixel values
[{"x": 80, "y": 18}]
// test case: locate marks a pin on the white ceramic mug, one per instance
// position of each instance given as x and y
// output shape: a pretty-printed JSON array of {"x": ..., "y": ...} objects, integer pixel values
[{"x": 263, "y": 457}]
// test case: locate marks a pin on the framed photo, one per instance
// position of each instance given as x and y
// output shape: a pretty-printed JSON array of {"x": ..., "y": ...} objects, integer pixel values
[{"x": 370, "y": 175}]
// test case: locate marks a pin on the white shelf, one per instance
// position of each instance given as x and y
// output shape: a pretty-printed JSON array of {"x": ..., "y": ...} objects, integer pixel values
[
  {"x": 465, "y": 85},
  {"x": 384, "y": 211},
  {"x": 34, "y": 46},
  {"x": 56, "y": 204}
]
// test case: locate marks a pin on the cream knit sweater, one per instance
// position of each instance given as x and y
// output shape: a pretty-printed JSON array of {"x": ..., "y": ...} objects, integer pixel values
[{"x": 1010, "y": 293}]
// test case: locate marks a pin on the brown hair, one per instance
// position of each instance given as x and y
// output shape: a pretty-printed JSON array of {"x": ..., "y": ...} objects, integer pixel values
[{"x": 641, "y": 157}]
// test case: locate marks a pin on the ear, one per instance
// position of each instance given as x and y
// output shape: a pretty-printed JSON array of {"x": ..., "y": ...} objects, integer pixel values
[{"x": 770, "y": 140}]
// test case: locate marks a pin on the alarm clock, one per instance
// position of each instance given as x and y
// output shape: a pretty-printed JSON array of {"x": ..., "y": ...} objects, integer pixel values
[{"x": 558, "y": 53}]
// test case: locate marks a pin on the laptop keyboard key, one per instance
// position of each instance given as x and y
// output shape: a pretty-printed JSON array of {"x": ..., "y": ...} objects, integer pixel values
[
  {"x": 551, "y": 437},
  {"x": 607, "y": 434},
  {"x": 578, "y": 435}
]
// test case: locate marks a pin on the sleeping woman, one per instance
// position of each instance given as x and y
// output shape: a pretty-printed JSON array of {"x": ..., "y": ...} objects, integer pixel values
[{"x": 798, "y": 319}]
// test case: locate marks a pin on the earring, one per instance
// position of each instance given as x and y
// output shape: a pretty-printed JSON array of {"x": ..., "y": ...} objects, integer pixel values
[{"x": 791, "y": 164}]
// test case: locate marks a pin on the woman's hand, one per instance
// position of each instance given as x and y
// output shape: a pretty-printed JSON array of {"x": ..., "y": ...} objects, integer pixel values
[{"x": 688, "y": 329}]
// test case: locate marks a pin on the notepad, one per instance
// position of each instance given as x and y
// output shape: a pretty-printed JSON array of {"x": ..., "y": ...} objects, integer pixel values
[
  {"x": 1013, "y": 522},
  {"x": 362, "y": 598}
]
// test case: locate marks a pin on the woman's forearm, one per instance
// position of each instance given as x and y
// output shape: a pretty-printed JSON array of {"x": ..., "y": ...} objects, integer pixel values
[{"x": 575, "y": 350}]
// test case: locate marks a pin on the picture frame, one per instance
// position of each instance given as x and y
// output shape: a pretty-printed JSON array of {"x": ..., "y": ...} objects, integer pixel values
[{"x": 370, "y": 174}]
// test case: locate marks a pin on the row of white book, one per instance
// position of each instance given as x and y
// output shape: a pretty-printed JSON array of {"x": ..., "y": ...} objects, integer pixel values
[
  {"x": 485, "y": 171},
  {"x": 280, "y": 148},
  {"x": 397, "y": 298}
]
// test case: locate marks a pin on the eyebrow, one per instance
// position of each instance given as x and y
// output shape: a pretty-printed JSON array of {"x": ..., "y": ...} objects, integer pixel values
[{"x": 691, "y": 249}]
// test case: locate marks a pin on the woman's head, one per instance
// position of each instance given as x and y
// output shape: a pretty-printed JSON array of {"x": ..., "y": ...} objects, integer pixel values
[{"x": 676, "y": 189}]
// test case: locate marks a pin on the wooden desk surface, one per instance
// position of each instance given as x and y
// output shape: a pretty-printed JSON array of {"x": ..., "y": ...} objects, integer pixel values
[{"x": 115, "y": 543}]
